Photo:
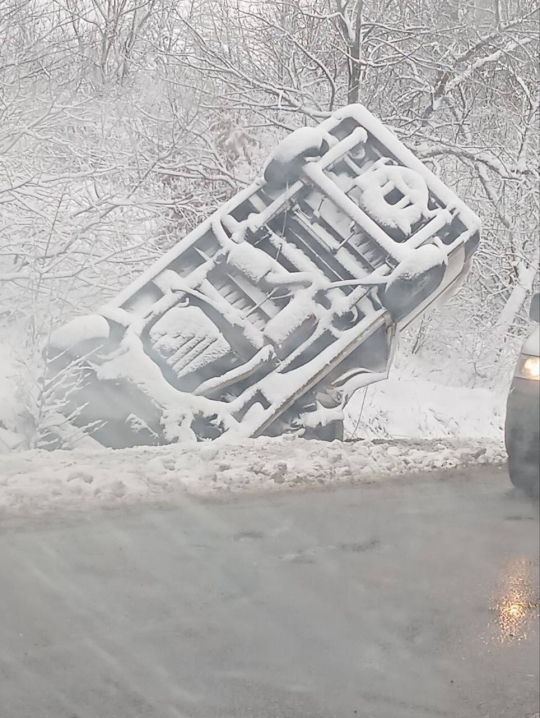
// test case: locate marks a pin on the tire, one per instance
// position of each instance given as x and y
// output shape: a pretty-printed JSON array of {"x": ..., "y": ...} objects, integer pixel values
[
  {"x": 334, "y": 431},
  {"x": 525, "y": 477},
  {"x": 291, "y": 423},
  {"x": 406, "y": 294},
  {"x": 521, "y": 435},
  {"x": 291, "y": 155}
]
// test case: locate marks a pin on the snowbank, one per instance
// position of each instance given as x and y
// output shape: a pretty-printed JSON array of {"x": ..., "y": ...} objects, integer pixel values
[
  {"x": 37, "y": 481},
  {"x": 410, "y": 407}
]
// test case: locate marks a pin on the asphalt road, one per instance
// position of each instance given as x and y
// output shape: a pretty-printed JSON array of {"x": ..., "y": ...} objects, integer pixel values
[{"x": 410, "y": 599}]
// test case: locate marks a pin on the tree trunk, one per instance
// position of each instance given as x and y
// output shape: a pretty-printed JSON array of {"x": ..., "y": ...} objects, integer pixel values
[
  {"x": 518, "y": 295},
  {"x": 355, "y": 68}
]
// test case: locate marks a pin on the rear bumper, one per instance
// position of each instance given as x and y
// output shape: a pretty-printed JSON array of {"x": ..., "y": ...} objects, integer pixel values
[{"x": 522, "y": 428}]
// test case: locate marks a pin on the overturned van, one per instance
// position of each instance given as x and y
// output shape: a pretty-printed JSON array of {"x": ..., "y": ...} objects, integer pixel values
[{"x": 269, "y": 316}]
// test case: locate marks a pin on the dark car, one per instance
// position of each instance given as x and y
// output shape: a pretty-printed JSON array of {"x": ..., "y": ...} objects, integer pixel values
[{"x": 522, "y": 431}]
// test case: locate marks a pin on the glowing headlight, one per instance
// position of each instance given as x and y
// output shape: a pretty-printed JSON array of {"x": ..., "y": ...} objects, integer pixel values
[{"x": 528, "y": 368}]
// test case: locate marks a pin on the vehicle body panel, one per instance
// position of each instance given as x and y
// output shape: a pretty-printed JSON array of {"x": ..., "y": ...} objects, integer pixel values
[{"x": 522, "y": 426}]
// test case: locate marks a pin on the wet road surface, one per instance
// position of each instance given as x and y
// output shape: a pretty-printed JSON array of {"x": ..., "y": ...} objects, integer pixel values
[{"x": 405, "y": 599}]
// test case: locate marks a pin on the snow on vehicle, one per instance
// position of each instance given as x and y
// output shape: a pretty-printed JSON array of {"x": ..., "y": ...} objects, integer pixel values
[{"x": 268, "y": 316}]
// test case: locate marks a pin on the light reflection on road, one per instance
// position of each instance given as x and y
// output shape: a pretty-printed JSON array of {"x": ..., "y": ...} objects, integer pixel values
[{"x": 515, "y": 602}]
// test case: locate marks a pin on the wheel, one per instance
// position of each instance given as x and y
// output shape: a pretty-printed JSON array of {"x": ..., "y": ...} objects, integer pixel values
[
  {"x": 79, "y": 337},
  {"x": 525, "y": 476},
  {"x": 406, "y": 293},
  {"x": 333, "y": 431},
  {"x": 521, "y": 433},
  {"x": 291, "y": 155},
  {"x": 296, "y": 420}
]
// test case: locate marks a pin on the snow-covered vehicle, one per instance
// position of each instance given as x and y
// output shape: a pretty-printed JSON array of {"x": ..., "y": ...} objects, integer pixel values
[{"x": 268, "y": 316}]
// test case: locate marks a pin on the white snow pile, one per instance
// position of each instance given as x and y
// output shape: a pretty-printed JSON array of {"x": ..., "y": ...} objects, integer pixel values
[
  {"x": 407, "y": 406},
  {"x": 37, "y": 481}
]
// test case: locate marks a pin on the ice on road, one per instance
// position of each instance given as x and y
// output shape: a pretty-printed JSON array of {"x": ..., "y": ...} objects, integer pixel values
[{"x": 409, "y": 598}]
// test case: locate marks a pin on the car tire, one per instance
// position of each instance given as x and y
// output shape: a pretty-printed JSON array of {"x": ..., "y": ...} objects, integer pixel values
[
  {"x": 291, "y": 423},
  {"x": 525, "y": 477},
  {"x": 333, "y": 431},
  {"x": 406, "y": 294},
  {"x": 281, "y": 172}
]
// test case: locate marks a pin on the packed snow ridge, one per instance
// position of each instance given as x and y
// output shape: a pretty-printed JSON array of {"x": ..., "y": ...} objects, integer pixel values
[{"x": 42, "y": 482}]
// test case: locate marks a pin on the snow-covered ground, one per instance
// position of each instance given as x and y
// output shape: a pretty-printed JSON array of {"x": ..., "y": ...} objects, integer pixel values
[
  {"x": 413, "y": 422},
  {"x": 37, "y": 481},
  {"x": 420, "y": 400},
  {"x": 413, "y": 407}
]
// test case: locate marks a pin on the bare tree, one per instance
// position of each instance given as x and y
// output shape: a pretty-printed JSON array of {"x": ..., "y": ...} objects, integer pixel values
[{"x": 458, "y": 83}]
